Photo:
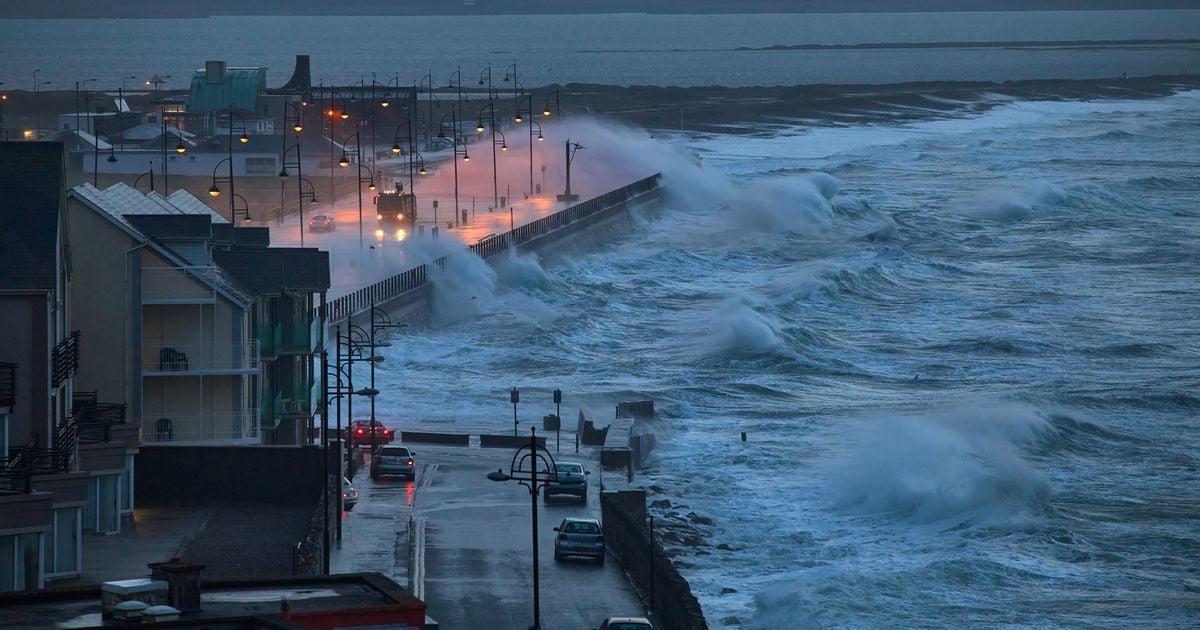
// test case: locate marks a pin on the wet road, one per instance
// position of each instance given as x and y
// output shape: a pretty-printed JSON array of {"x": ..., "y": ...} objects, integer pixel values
[{"x": 462, "y": 543}]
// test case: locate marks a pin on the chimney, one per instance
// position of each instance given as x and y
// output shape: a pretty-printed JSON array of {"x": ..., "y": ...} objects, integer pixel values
[
  {"x": 214, "y": 72},
  {"x": 183, "y": 583}
]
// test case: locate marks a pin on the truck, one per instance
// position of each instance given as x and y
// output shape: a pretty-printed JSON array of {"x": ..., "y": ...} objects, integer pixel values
[{"x": 396, "y": 209}]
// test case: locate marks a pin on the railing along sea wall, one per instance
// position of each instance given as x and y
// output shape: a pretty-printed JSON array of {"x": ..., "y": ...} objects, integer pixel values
[{"x": 387, "y": 289}]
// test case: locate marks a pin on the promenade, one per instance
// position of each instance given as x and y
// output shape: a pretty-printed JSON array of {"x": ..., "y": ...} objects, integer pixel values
[
  {"x": 462, "y": 543},
  {"x": 355, "y": 263}
]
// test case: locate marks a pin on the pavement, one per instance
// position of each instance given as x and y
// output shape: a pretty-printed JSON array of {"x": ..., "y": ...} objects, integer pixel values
[
  {"x": 463, "y": 544},
  {"x": 353, "y": 269}
]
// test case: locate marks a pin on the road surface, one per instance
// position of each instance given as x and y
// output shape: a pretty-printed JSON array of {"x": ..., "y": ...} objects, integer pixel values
[{"x": 463, "y": 544}]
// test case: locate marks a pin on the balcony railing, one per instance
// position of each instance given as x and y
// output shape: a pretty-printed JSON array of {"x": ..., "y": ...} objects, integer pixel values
[
  {"x": 94, "y": 420},
  {"x": 8, "y": 384},
  {"x": 179, "y": 285},
  {"x": 66, "y": 359},
  {"x": 196, "y": 427},
  {"x": 18, "y": 470},
  {"x": 162, "y": 359}
]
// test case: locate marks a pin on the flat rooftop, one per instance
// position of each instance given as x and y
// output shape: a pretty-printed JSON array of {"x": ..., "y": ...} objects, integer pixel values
[{"x": 224, "y": 604}]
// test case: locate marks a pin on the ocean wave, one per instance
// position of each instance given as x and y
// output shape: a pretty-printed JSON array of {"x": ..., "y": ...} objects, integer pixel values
[
  {"x": 966, "y": 465},
  {"x": 799, "y": 204}
]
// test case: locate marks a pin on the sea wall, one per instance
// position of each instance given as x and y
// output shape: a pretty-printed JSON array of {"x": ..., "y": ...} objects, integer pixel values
[{"x": 659, "y": 584}]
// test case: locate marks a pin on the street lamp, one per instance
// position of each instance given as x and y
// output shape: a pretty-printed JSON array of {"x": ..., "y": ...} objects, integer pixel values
[
  {"x": 295, "y": 116},
  {"x": 150, "y": 173},
  {"x": 344, "y": 162},
  {"x": 179, "y": 148},
  {"x": 215, "y": 190},
  {"x": 533, "y": 467},
  {"x": 558, "y": 415},
  {"x": 156, "y": 81},
  {"x": 123, "y": 80},
  {"x": 454, "y": 133},
  {"x": 491, "y": 107},
  {"x": 36, "y": 89},
  {"x": 553, "y": 96},
  {"x": 571, "y": 149}
]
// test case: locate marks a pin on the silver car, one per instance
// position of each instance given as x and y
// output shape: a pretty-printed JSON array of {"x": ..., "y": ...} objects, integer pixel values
[
  {"x": 579, "y": 537},
  {"x": 571, "y": 480},
  {"x": 394, "y": 460}
]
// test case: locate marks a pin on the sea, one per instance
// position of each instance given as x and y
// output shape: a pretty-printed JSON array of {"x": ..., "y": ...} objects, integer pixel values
[
  {"x": 624, "y": 49},
  {"x": 963, "y": 349}
]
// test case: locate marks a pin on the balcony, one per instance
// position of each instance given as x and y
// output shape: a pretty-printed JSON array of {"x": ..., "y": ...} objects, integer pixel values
[
  {"x": 179, "y": 285},
  {"x": 8, "y": 385},
  {"x": 200, "y": 359},
  {"x": 17, "y": 471},
  {"x": 65, "y": 360},
  {"x": 188, "y": 427},
  {"x": 94, "y": 420},
  {"x": 294, "y": 338}
]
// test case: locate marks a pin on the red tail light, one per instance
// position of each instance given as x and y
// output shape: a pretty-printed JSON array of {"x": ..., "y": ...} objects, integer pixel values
[
  {"x": 360, "y": 432},
  {"x": 410, "y": 462}
]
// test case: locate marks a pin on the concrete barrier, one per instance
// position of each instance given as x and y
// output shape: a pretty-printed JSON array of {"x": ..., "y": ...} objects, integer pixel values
[
  {"x": 654, "y": 576},
  {"x": 507, "y": 441},
  {"x": 453, "y": 439}
]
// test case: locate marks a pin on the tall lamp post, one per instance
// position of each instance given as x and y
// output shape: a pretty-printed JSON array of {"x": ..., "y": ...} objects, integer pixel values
[
  {"x": 36, "y": 90},
  {"x": 179, "y": 148},
  {"x": 454, "y": 133},
  {"x": 571, "y": 149},
  {"x": 491, "y": 107},
  {"x": 216, "y": 190},
  {"x": 294, "y": 116},
  {"x": 344, "y": 162},
  {"x": 533, "y": 467}
]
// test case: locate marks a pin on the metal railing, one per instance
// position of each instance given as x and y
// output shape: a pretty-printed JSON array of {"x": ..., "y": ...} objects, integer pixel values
[
  {"x": 66, "y": 359},
  {"x": 93, "y": 420},
  {"x": 164, "y": 358},
  {"x": 363, "y": 299},
  {"x": 17, "y": 471},
  {"x": 8, "y": 384},
  {"x": 193, "y": 427}
]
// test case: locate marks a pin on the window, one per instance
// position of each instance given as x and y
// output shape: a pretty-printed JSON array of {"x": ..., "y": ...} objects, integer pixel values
[
  {"x": 103, "y": 507},
  {"x": 21, "y": 562},
  {"x": 62, "y": 550},
  {"x": 260, "y": 166},
  {"x": 127, "y": 486}
]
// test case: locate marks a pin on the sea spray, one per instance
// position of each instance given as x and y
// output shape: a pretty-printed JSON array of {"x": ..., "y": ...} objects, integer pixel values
[{"x": 967, "y": 464}]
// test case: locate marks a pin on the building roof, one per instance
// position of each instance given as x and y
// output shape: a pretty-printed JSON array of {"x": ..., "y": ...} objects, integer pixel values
[
  {"x": 278, "y": 269},
  {"x": 240, "y": 88},
  {"x": 252, "y": 237},
  {"x": 120, "y": 199},
  {"x": 31, "y": 178},
  {"x": 349, "y": 600},
  {"x": 172, "y": 227},
  {"x": 123, "y": 204}
]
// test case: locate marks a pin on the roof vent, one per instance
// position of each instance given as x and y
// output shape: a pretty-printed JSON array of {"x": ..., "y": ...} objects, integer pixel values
[
  {"x": 130, "y": 609},
  {"x": 162, "y": 612},
  {"x": 214, "y": 72}
]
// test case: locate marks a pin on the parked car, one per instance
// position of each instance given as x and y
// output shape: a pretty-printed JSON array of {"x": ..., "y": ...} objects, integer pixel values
[
  {"x": 626, "y": 623},
  {"x": 349, "y": 495},
  {"x": 360, "y": 433},
  {"x": 572, "y": 480},
  {"x": 394, "y": 460},
  {"x": 579, "y": 537},
  {"x": 321, "y": 223}
]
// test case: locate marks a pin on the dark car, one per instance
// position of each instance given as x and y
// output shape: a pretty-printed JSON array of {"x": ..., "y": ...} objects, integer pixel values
[
  {"x": 360, "y": 433},
  {"x": 571, "y": 480},
  {"x": 394, "y": 460},
  {"x": 626, "y": 623},
  {"x": 321, "y": 223},
  {"x": 581, "y": 537}
]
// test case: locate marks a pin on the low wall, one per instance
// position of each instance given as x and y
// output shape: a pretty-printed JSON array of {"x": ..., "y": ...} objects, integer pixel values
[
  {"x": 454, "y": 439},
  {"x": 197, "y": 475},
  {"x": 308, "y": 555},
  {"x": 662, "y": 589},
  {"x": 507, "y": 441}
]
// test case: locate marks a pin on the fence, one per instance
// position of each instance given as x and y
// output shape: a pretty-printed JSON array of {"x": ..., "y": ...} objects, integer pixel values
[{"x": 363, "y": 299}]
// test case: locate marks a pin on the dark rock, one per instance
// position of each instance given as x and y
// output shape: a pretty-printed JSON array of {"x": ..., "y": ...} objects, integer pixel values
[
  {"x": 731, "y": 621},
  {"x": 724, "y": 547},
  {"x": 702, "y": 520},
  {"x": 661, "y": 504},
  {"x": 692, "y": 541},
  {"x": 727, "y": 590}
]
